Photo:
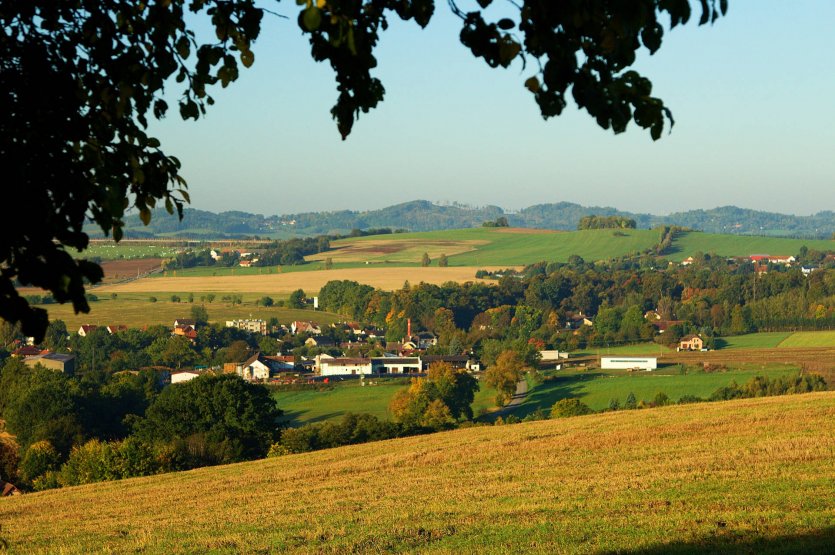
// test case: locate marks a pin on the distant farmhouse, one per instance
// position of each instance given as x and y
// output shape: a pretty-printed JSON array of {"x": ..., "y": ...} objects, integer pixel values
[{"x": 691, "y": 343}]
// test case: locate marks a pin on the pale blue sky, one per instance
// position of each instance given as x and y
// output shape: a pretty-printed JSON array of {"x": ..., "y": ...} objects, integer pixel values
[{"x": 753, "y": 98}]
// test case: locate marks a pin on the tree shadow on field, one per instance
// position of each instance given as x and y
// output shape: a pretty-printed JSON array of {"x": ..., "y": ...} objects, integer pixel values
[
  {"x": 296, "y": 418},
  {"x": 818, "y": 541},
  {"x": 552, "y": 390},
  {"x": 719, "y": 343}
]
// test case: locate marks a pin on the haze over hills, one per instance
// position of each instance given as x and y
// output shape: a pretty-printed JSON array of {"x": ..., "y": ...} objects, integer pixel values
[{"x": 422, "y": 215}]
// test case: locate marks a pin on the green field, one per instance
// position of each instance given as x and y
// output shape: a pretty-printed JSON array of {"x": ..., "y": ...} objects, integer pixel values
[
  {"x": 135, "y": 310},
  {"x": 307, "y": 407},
  {"x": 747, "y": 476},
  {"x": 597, "y": 387},
  {"x": 778, "y": 339},
  {"x": 809, "y": 339},
  {"x": 688, "y": 244},
  {"x": 515, "y": 247},
  {"x": 500, "y": 247},
  {"x": 649, "y": 348},
  {"x": 763, "y": 340}
]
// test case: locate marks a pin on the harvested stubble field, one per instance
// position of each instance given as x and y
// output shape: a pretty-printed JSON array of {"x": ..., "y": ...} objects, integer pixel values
[
  {"x": 122, "y": 269},
  {"x": 752, "y": 476},
  {"x": 278, "y": 284}
]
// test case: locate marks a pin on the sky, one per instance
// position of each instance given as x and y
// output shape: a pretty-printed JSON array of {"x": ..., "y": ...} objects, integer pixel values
[{"x": 753, "y": 97}]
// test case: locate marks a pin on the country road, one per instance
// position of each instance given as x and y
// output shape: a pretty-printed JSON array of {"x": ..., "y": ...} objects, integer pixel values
[{"x": 515, "y": 401}]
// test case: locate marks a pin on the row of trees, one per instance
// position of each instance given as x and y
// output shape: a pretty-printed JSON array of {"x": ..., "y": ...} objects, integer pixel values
[{"x": 606, "y": 222}]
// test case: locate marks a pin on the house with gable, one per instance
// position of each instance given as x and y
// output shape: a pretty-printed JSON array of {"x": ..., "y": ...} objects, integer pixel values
[{"x": 691, "y": 343}]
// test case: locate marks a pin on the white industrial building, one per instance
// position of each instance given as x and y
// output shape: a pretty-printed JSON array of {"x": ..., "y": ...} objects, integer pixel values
[
  {"x": 329, "y": 366},
  {"x": 628, "y": 363}
]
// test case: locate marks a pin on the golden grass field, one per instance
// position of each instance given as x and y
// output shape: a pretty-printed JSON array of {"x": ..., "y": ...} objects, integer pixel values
[
  {"x": 278, "y": 284},
  {"x": 750, "y": 476}
]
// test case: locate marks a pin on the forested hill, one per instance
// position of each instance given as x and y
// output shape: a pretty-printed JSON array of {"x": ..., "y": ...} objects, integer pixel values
[{"x": 421, "y": 215}]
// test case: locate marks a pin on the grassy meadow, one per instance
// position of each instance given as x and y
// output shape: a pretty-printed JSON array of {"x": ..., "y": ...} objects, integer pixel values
[
  {"x": 779, "y": 339},
  {"x": 309, "y": 406},
  {"x": 490, "y": 246},
  {"x": 135, "y": 310},
  {"x": 752, "y": 476},
  {"x": 597, "y": 387}
]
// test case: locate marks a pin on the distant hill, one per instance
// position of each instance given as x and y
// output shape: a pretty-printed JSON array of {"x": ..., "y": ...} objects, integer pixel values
[{"x": 422, "y": 215}]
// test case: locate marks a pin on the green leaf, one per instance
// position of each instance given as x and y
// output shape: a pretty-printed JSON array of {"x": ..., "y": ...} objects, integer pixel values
[
  {"x": 312, "y": 18},
  {"x": 506, "y": 24},
  {"x": 145, "y": 216},
  {"x": 484, "y": 3}
]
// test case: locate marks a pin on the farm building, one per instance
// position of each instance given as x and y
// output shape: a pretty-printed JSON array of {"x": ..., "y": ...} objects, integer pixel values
[
  {"x": 53, "y": 361},
  {"x": 396, "y": 365},
  {"x": 628, "y": 363},
  {"x": 343, "y": 366}
]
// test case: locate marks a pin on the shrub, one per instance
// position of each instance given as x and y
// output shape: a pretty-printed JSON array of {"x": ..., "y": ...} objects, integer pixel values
[
  {"x": 40, "y": 458},
  {"x": 565, "y": 408}
]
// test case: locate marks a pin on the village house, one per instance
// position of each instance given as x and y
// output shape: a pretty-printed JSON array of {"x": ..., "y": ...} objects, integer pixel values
[
  {"x": 254, "y": 369},
  {"x": 425, "y": 339},
  {"x": 186, "y": 331},
  {"x": 299, "y": 326},
  {"x": 321, "y": 342},
  {"x": 29, "y": 351},
  {"x": 690, "y": 343},
  {"x": 118, "y": 328},
  {"x": 85, "y": 329},
  {"x": 185, "y": 322}
]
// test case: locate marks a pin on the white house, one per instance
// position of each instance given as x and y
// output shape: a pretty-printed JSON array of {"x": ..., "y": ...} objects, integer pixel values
[
  {"x": 629, "y": 363},
  {"x": 254, "y": 369}
]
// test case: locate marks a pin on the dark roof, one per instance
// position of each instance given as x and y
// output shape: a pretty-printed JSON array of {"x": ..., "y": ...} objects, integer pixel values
[
  {"x": 445, "y": 358},
  {"x": 396, "y": 360},
  {"x": 59, "y": 357},
  {"x": 345, "y": 360}
]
